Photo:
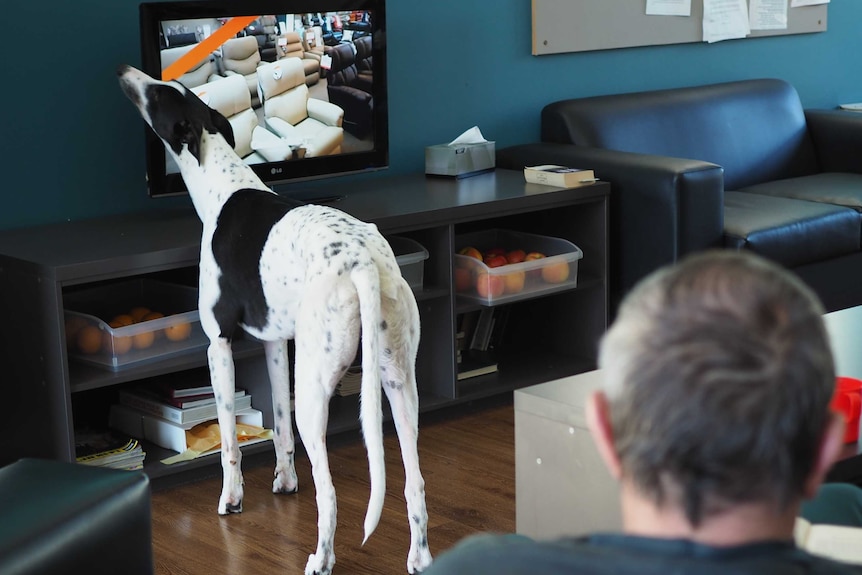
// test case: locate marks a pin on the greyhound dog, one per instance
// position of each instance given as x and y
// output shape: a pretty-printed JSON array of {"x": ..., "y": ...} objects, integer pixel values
[{"x": 282, "y": 270}]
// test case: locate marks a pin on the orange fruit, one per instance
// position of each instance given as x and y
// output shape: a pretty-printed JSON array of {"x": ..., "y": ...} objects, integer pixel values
[
  {"x": 89, "y": 339},
  {"x": 153, "y": 315},
  {"x": 74, "y": 324},
  {"x": 137, "y": 313},
  {"x": 144, "y": 340},
  {"x": 179, "y": 331},
  {"x": 120, "y": 344},
  {"x": 121, "y": 320}
]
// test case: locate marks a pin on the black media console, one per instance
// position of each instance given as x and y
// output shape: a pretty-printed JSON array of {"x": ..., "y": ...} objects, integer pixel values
[{"x": 47, "y": 394}]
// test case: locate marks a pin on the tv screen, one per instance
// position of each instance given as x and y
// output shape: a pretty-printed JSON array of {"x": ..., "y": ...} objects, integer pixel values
[{"x": 302, "y": 82}]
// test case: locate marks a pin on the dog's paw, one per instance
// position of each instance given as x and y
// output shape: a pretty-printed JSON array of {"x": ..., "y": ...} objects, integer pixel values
[
  {"x": 285, "y": 482},
  {"x": 226, "y": 507},
  {"x": 319, "y": 566},
  {"x": 418, "y": 561}
]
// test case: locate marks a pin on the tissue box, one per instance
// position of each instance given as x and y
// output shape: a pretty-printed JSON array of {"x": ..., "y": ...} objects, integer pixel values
[{"x": 459, "y": 161}]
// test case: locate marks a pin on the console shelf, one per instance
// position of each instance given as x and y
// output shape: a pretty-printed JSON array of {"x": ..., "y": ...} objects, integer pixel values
[{"x": 547, "y": 337}]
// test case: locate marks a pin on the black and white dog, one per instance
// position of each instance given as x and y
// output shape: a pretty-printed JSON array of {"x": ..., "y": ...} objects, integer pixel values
[{"x": 282, "y": 270}]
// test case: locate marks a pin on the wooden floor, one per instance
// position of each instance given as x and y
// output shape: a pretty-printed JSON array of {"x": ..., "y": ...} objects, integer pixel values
[{"x": 467, "y": 457}]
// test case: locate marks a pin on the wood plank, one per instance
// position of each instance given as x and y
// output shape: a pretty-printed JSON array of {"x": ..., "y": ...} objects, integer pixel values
[{"x": 468, "y": 461}]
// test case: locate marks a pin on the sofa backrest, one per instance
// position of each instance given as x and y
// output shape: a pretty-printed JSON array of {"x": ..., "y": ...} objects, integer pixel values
[{"x": 754, "y": 129}]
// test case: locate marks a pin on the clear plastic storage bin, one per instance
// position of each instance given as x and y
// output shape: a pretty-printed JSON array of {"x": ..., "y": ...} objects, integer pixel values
[
  {"x": 107, "y": 325},
  {"x": 556, "y": 271},
  {"x": 411, "y": 256}
]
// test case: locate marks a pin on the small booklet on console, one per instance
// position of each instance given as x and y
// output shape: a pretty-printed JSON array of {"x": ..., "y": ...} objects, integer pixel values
[{"x": 562, "y": 176}]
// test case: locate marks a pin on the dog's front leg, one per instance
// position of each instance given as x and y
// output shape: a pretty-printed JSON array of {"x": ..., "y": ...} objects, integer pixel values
[
  {"x": 277, "y": 363},
  {"x": 222, "y": 378}
]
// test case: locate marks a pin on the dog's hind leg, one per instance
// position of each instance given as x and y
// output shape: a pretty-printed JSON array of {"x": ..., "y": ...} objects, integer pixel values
[
  {"x": 277, "y": 363},
  {"x": 398, "y": 376},
  {"x": 327, "y": 332},
  {"x": 312, "y": 417},
  {"x": 222, "y": 377}
]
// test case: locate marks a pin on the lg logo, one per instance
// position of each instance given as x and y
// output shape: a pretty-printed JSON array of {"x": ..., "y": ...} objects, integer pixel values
[{"x": 275, "y": 171}]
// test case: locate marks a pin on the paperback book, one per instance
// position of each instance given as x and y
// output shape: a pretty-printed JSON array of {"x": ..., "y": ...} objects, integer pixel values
[
  {"x": 561, "y": 176},
  {"x": 148, "y": 402}
]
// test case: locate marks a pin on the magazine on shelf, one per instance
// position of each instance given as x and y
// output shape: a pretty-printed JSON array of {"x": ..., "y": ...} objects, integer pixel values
[{"x": 107, "y": 448}]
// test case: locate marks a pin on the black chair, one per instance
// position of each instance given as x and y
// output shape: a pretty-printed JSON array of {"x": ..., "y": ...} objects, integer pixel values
[
  {"x": 350, "y": 90},
  {"x": 265, "y": 31},
  {"x": 364, "y": 59},
  {"x": 182, "y": 39}
]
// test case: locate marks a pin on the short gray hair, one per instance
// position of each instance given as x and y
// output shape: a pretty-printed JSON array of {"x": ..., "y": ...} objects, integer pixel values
[{"x": 718, "y": 373}]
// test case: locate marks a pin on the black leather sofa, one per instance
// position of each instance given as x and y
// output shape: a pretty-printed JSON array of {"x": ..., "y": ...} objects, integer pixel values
[
  {"x": 739, "y": 165},
  {"x": 59, "y": 518}
]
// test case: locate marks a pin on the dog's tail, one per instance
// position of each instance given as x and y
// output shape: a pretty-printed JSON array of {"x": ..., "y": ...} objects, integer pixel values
[{"x": 367, "y": 283}]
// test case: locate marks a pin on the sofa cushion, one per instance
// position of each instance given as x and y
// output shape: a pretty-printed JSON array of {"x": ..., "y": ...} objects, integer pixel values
[
  {"x": 843, "y": 189},
  {"x": 789, "y": 231}
]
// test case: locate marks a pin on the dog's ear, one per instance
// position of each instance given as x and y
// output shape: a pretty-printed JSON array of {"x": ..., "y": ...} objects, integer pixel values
[
  {"x": 189, "y": 133},
  {"x": 223, "y": 127}
]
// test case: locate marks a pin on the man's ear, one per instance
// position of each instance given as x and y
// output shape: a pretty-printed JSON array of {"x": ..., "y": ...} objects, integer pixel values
[
  {"x": 599, "y": 424},
  {"x": 828, "y": 453}
]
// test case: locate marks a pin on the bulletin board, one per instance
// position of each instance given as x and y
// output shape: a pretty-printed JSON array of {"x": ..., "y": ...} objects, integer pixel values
[{"x": 584, "y": 25}]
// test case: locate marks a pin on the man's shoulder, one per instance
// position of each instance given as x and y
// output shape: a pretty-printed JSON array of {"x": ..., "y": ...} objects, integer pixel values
[{"x": 514, "y": 555}]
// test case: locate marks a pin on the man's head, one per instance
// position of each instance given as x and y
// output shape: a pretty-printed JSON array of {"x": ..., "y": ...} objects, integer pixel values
[{"x": 718, "y": 378}]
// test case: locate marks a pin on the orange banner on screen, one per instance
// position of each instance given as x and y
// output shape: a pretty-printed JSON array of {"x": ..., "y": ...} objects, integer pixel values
[{"x": 187, "y": 61}]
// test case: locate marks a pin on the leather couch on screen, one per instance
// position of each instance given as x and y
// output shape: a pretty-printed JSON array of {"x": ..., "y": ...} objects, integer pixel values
[
  {"x": 350, "y": 90},
  {"x": 739, "y": 165}
]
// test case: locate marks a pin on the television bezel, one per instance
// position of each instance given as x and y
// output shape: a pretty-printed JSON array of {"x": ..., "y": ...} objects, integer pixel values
[{"x": 162, "y": 184}]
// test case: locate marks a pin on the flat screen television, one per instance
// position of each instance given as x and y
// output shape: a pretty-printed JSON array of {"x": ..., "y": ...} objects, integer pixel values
[{"x": 303, "y": 82}]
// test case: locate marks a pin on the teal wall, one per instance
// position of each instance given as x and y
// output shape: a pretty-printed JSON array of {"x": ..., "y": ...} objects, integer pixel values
[{"x": 73, "y": 145}]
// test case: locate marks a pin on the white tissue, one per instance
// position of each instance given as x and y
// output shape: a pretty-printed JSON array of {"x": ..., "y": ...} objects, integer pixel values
[{"x": 471, "y": 136}]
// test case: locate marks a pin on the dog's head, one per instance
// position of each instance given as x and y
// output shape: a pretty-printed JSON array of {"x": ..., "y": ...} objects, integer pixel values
[{"x": 175, "y": 113}]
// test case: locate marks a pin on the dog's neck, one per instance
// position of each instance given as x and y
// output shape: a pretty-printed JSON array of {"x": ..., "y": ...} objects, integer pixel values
[{"x": 220, "y": 173}]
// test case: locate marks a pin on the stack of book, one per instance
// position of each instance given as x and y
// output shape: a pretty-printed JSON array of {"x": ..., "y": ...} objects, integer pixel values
[
  {"x": 164, "y": 413},
  {"x": 478, "y": 340},
  {"x": 177, "y": 406},
  {"x": 108, "y": 449}
]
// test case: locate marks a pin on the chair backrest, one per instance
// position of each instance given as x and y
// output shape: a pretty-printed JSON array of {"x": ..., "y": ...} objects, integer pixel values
[
  {"x": 290, "y": 45},
  {"x": 240, "y": 55},
  {"x": 181, "y": 39},
  {"x": 230, "y": 97},
  {"x": 343, "y": 70},
  {"x": 282, "y": 89},
  {"x": 754, "y": 129},
  {"x": 198, "y": 74},
  {"x": 364, "y": 61}
]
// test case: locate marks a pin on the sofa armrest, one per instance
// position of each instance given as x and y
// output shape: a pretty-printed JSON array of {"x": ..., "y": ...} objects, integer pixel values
[
  {"x": 325, "y": 112},
  {"x": 837, "y": 136},
  {"x": 661, "y": 208}
]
